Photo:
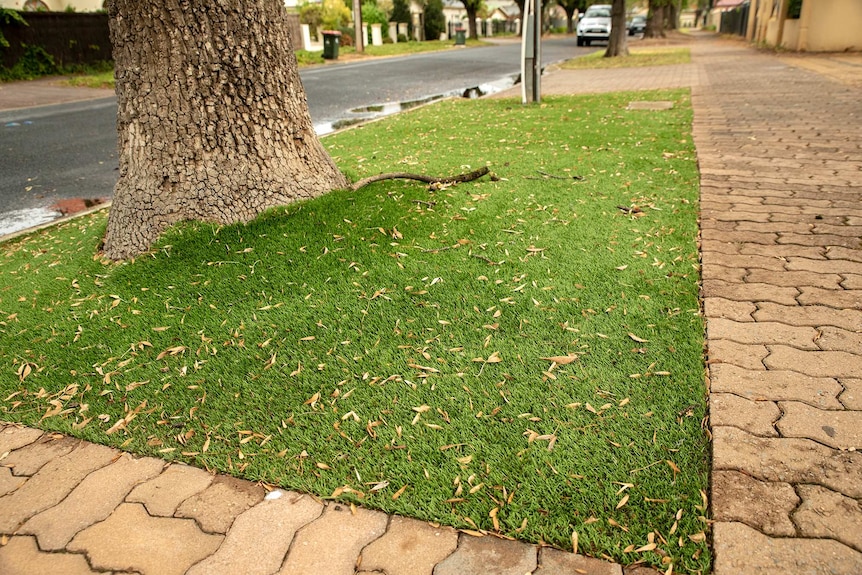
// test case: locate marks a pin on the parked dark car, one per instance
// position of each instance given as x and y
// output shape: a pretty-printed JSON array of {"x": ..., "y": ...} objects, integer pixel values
[{"x": 637, "y": 25}]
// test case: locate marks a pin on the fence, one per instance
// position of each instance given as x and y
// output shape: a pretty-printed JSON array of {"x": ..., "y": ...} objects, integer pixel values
[
  {"x": 735, "y": 21},
  {"x": 78, "y": 38},
  {"x": 70, "y": 38}
]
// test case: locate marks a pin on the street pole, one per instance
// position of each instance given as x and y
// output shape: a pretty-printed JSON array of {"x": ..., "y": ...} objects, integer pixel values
[
  {"x": 357, "y": 27},
  {"x": 531, "y": 52}
]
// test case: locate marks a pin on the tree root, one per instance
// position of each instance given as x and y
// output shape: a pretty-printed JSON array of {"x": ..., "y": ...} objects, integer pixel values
[{"x": 460, "y": 178}]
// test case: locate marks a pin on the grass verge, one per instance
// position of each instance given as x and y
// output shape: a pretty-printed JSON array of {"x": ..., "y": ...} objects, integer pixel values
[
  {"x": 520, "y": 356},
  {"x": 637, "y": 58}
]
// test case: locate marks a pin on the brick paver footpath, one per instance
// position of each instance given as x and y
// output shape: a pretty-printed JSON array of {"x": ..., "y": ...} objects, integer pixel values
[
  {"x": 780, "y": 153},
  {"x": 779, "y": 143}
]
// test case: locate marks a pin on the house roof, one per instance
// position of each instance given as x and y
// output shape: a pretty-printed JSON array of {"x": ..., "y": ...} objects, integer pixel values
[{"x": 728, "y": 3}]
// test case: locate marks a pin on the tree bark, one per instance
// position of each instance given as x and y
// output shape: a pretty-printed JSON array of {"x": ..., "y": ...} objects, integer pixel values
[
  {"x": 618, "y": 40},
  {"x": 213, "y": 120},
  {"x": 655, "y": 21}
]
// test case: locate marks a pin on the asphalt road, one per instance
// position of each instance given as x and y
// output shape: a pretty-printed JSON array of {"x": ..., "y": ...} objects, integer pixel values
[{"x": 69, "y": 151}]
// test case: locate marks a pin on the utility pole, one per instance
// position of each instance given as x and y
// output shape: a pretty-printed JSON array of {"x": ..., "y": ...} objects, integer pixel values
[
  {"x": 358, "y": 41},
  {"x": 531, "y": 52}
]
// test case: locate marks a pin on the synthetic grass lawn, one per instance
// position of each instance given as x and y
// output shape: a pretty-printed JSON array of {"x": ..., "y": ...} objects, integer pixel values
[
  {"x": 637, "y": 58},
  {"x": 521, "y": 356}
]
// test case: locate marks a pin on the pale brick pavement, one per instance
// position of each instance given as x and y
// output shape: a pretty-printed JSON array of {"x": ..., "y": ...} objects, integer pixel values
[{"x": 780, "y": 153}]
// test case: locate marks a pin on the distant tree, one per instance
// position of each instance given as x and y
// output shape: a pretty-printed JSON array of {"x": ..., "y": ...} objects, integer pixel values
[
  {"x": 311, "y": 14},
  {"x": 570, "y": 6},
  {"x": 401, "y": 13},
  {"x": 9, "y": 16},
  {"x": 435, "y": 21},
  {"x": 655, "y": 24},
  {"x": 473, "y": 7},
  {"x": 335, "y": 14},
  {"x": 617, "y": 42}
]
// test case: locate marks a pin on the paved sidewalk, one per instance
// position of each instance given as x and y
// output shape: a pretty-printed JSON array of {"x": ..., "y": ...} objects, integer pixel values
[
  {"x": 780, "y": 152},
  {"x": 45, "y": 92}
]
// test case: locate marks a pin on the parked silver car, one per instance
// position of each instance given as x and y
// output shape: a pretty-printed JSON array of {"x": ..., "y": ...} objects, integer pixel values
[{"x": 595, "y": 25}]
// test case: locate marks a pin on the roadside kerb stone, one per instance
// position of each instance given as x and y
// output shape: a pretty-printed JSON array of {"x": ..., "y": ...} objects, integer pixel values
[
  {"x": 741, "y": 550},
  {"x": 746, "y": 356},
  {"x": 259, "y": 538},
  {"x": 775, "y": 385},
  {"x": 824, "y": 513},
  {"x": 787, "y": 460},
  {"x": 13, "y": 437},
  {"x": 766, "y": 506},
  {"x": 92, "y": 500},
  {"x": 489, "y": 556},
  {"x": 29, "y": 459},
  {"x": 216, "y": 507},
  {"x": 130, "y": 540},
  {"x": 756, "y": 417},
  {"x": 163, "y": 494},
  {"x": 51, "y": 484},
  {"x": 838, "y": 429},
  {"x": 342, "y": 531},
  {"x": 753, "y": 292},
  {"x": 813, "y": 315},
  {"x": 409, "y": 547},
  {"x": 717, "y": 307},
  {"x": 815, "y": 363},
  {"x": 555, "y": 562},
  {"x": 21, "y": 556},
  {"x": 762, "y": 333}
]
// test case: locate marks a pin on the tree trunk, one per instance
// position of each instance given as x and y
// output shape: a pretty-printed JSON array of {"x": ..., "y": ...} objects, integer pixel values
[
  {"x": 655, "y": 22},
  {"x": 473, "y": 31},
  {"x": 213, "y": 120},
  {"x": 673, "y": 10},
  {"x": 617, "y": 42}
]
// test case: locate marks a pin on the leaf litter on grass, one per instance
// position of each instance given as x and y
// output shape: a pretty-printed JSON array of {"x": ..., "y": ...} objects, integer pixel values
[{"x": 515, "y": 356}]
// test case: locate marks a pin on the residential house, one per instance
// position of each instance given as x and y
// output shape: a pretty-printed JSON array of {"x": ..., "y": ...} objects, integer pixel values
[{"x": 807, "y": 25}]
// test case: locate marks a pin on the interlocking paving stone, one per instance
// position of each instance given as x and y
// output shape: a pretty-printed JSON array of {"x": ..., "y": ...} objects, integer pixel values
[
  {"x": 815, "y": 363},
  {"x": 755, "y": 417},
  {"x": 782, "y": 252},
  {"x": 852, "y": 396},
  {"x": 818, "y": 240},
  {"x": 752, "y": 292},
  {"x": 216, "y": 507},
  {"x": 813, "y": 315},
  {"x": 797, "y": 279},
  {"x": 13, "y": 437},
  {"x": 489, "y": 556},
  {"x": 761, "y": 264},
  {"x": 9, "y": 482},
  {"x": 163, "y": 494},
  {"x": 131, "y": 540},
  {"x": 555, "y": 562},
  {"x": 21, "y": 556},
  {"x": 762, "y": 333},
  {"x": 852, "y": 281},
  {"x": 739, "y": 354},
  {"x": 52, "y": 484},
  {"x": 838, "y": 429},
  {"x": 835, "y": 339},
  {"x": 717, "y": 307},
  {"x": 830, "y": 266},
  {"x": 843, "y": 298},
  {"x": 766, "y": 506},
  {"x": 409, "y": 547},
  {"x": 775, "y": 385},
  {"x": 92, "y": 500},
  {"x": 259, "y": 538},
  {"x": 788, "y": 460},
  {"x": 343, "y": 532},
  {"x": 841, "y": 253},
  {"x": 29, "y": 459},
  {"x": 740, "y": 550},
  {"x": 824, "y": 513}
]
